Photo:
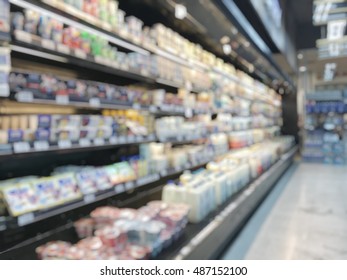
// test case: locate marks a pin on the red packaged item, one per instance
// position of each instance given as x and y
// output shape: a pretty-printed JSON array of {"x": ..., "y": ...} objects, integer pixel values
[
  {"x": 158, "y": 204},
  {"x": 55, "y": 250},
  {"x": 90, "y": 244},
  {"x": 127, "y": 214},
  {"x": 112, "y": 237},
  {"x": 138, "y": 252},
  {"x": 105, "y": 215},
  {"x": 75, "y": 253},
  {"x": 84, "y": 227}
]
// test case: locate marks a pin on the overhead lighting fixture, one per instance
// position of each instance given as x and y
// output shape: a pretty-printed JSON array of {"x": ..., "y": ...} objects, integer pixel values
[
  {"x": 302, "y": 69},
  {"x": 300, "y": 56},
  {"x": 225, "y": 40},
  {"x": 329, "y": 71},
  {"x": 180, "y": 11},
  {"x": 227, "y": 49}
]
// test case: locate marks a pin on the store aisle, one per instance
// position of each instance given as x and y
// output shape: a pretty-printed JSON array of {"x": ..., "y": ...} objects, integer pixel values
[{"x": 304, "y": 217}]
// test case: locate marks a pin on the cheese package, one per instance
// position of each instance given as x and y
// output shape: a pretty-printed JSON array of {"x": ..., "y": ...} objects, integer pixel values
[
  {"x": 20, "y": 198},
  {"x": 67, "y": 186}
]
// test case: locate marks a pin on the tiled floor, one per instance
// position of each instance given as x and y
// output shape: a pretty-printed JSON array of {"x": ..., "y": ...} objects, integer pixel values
[{"x": 304, "y": 217}]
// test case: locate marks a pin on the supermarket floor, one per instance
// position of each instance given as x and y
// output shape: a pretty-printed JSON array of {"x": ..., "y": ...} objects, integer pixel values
[{"x": 304, "y": 217}]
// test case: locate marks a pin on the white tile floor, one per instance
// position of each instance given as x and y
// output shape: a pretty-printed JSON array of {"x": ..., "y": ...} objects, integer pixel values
[{"x": 304, "y": 217}]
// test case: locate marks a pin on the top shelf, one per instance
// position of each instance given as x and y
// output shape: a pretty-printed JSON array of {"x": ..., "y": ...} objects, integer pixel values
[{"x": 73, "y": 17}]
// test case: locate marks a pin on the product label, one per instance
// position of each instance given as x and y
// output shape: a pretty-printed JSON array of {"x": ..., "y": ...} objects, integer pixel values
[
  {"x": 4, "y": 16},
  {"x": 48, "y": 44},
  {"x": 21, "y": 147},
  {"x": 63, "y": 49},
  {"x": 24, "y": 96},
  {"x": 23, "y": 36},
  {"x": 64, "y": 144},
  {"x": 80, "y": 54},
  {"x": 153, "y": 109},
  {"x": 94, "y": 102},
  {"x": 41, "y": 145},
  {"x": 136, "y": 106},
  {"x": 85, "y": 142},
  {"x": 119, "y": 189},
  {"x": 99, "y": 142},
  {"x": 25, "y": 219},
  {"x": 129, "y": 185},
  {"x": 113, "y": 140},
  {"x": 122, "y": 139},
  {"x": 89, "y": 198},
  {"x": 62, "y": 99}
]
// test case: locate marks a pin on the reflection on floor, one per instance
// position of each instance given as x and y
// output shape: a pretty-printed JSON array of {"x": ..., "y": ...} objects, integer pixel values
[{"x": 304, "y": 217}]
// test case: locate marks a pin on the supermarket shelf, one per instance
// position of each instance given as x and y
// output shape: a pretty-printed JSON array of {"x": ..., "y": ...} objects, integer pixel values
[
  {"x": 72, "y": 16},
  {"x": 126, "y": 187},
  {"x": 68, "y": 19},
  {"x": 210, "y": 240},
  {"x": 200, "y": 241},
  {"x": 25, "y": 149}
]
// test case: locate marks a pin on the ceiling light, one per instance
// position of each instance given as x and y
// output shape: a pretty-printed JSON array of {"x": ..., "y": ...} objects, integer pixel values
[
  {"x": 180, "y": 11},
  {"x": 300, "y": 56},
  {"x": 227, "y": 49},
  {"x": 302, "y": 68},
  {"x": 225, "y": 40}
]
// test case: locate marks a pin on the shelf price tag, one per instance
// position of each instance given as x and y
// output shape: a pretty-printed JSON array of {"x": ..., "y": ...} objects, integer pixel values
[
  {"x": 21, "y": 147},
  {"x": 122, "y": 139},
  {"x": 84, "y": 142},
  {"x": 80, "y": 54},
  {"x": 113, "y": 140},
  {"x": 48, "y": 44},
  {"x": 188, "y": 113},
  {"x": 94, "y": 102},
  {"x": 89, "y": 198},
  {"x": 99, "y": 142},
  {"x": 63, "y": 49},
  {"x": 129, "y": 185},
  {"x": 136, "y": 106},
  {"x": 64, "y": 144},
  {"x": 23, "y": 36},
  {"x": 153, "y": 109},
  {"x": 119, "y": 189},
  {"x": 163, "y": 173},
  {"x": 62, "y": 99},
  {"x": 25, "y": 96},
  {"x": 41, "y": 145},
  {"x": 131, "y": 139},
  {"x": 25, "y": 219}
]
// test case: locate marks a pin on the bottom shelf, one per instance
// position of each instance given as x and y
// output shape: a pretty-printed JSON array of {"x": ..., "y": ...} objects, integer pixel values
[{"x": 205, "y": 240}]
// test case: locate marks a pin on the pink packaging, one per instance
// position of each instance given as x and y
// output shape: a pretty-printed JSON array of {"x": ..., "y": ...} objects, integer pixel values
[{"x": 84, "y": 227}]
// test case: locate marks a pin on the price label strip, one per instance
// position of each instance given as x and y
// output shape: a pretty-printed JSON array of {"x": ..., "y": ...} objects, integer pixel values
[
  {"x": 64, "y": 144},
  {"x": 25, "y": 219},
  {"x": 89, "y": 198},
  {"x": 21, "y": 147},
  {"x": 129, "y": 185},
  {"x": 119, "y": 189},
  {"x": 41, "y": 145}
]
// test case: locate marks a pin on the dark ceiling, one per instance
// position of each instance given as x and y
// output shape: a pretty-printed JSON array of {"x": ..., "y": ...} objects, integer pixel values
[{"x": 298, "y": 20}]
